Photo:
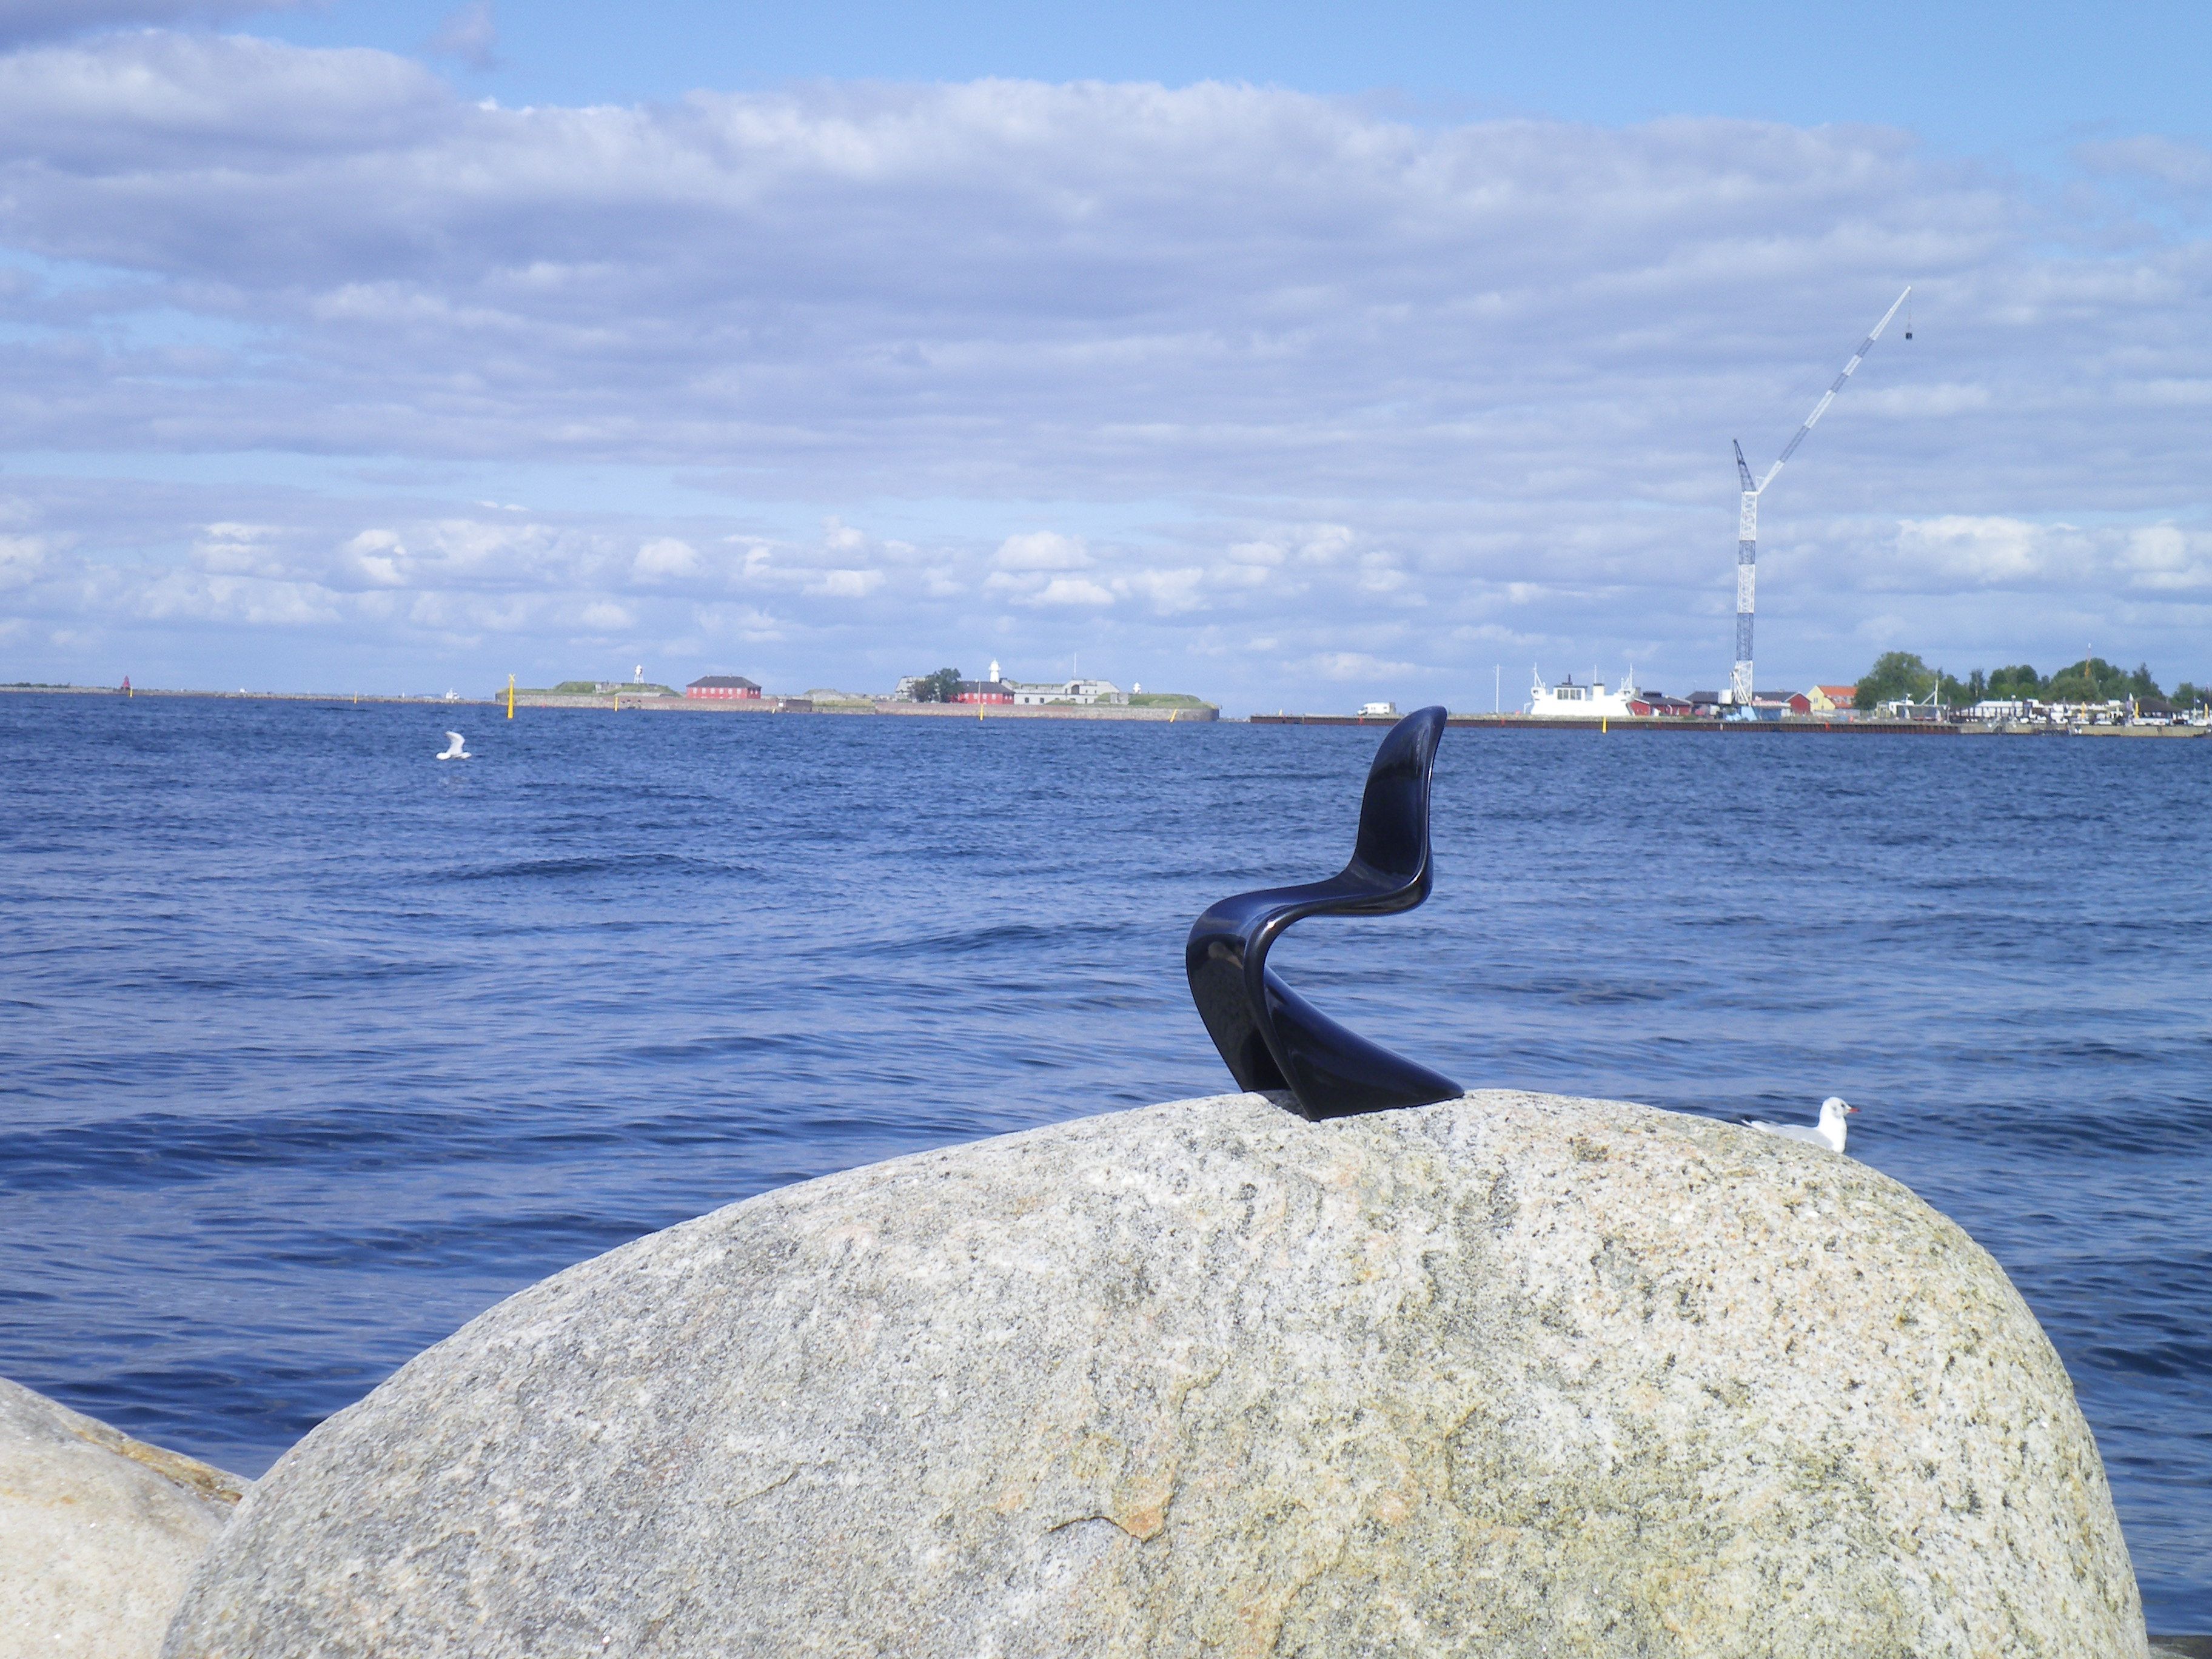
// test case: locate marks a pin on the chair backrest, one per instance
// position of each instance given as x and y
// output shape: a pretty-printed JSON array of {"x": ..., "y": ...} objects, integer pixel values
[{"x": 1394, "y": 811}]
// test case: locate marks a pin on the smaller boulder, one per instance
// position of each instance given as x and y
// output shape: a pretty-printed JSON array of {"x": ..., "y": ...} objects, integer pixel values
[{"x": 98, "y": 1532}]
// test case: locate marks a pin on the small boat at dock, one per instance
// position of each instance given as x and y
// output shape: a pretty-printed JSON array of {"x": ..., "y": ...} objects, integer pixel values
[{"x": 1568, "y": 701}]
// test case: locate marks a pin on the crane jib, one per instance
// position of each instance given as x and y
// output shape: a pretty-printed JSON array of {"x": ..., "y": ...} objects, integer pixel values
[{"x": 1746, "y": 553}]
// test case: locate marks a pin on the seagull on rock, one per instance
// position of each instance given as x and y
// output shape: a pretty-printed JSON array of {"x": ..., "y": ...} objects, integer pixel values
[
  {"x": 1828, "y": 1132},
  {"x": 454, "y": 749}
]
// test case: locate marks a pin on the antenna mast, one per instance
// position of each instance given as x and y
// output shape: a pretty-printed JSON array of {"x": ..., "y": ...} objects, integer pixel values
[{"x": 1746, "y": 545}]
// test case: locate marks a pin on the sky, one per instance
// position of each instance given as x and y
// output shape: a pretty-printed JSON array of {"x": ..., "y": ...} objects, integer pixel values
[{"x": 1294, "y": 356}]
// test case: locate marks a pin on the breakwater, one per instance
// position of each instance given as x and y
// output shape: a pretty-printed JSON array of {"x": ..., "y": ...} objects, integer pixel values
[{"x": 421, "y": 700}]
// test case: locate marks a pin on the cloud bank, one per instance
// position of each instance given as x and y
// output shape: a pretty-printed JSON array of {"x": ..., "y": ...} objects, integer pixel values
[{"x": 1230, "y": 388}]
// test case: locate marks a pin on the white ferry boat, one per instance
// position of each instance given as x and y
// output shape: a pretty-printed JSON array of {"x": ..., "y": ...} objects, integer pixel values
[{"x": 1568, "y": 701}]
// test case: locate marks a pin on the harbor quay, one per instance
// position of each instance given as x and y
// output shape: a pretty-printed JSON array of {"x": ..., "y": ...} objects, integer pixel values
[{"x": 1909, "y": 728}]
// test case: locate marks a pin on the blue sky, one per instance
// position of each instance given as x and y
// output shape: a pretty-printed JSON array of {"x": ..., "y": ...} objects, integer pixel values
[
  {"x": 1288, "y": 355},
  {"x": 2019, "y": 81}
]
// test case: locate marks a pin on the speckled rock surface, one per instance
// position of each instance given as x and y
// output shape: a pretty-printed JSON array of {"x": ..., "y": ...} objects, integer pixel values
[
  {"x": 1507, "y": 1375},
  {"x": 98, "y": 1532}
]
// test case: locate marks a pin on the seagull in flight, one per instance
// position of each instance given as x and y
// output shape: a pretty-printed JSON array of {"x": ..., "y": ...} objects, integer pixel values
[
  {"x": 1828, "y": 1132},
  {"x": 454, "y": 749}
]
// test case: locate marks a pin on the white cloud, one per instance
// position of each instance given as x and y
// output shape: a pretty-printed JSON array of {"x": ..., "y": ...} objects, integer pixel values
[
  {"x": 2010, "y": 553},
  {"x": 1348, "y": 665},
  {"x": 377, "y": 557},
  {"x": 846, "y": 584},
  {"x": 1380, "y": 395},
  {"x": 1043, "y": 549},
  {"x": 1379, "y": 574},
  {"x": 239, "y": 549},
  {"x": 665, "y": 555},
  {"x": 1069, "y": 589},
  {"x": 1170, "y": 592},
  {"x": 21, "y": 558},
  {"x": 604, "y": 617}
]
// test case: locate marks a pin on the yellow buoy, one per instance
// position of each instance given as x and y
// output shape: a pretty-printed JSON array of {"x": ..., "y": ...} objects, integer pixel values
[{"x": 510, "y": 696}]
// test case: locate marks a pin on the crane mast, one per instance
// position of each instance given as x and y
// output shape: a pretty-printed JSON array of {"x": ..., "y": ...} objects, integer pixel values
[{"x": 1746, "y": 544}]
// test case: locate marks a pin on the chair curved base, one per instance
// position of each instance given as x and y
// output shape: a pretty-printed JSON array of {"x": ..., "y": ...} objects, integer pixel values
[{"x": 1336, "y": 1073}]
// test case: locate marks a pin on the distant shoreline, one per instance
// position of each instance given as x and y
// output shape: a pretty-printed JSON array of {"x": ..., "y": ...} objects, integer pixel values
[
  {"x": 1204, "y": 713},
  {"x": 1788, "y": 723},
  {"x": 425, "y": 700},
  {"x": 1193, "y": 715}
]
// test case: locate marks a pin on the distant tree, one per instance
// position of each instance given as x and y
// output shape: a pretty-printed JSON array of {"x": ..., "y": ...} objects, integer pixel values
[
  {"x": 942, "y": 686},
  {"x": 1977, "y": 687},
  {"x": 2094, "y": 680},
  {"x": 2018, "y": 683},
  {"x": 2141, "y": 684},
  {"x": 1895, "y": 674},
  {"x": 2186, "y": 696}
]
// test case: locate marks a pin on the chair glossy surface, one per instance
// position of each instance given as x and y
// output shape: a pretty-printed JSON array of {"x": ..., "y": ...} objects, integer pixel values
[{"x": 1271, "y": 1038}]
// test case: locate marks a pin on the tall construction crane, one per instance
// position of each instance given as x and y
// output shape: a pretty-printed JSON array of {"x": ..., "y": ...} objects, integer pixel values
[{"x": 1746, "y": 546}]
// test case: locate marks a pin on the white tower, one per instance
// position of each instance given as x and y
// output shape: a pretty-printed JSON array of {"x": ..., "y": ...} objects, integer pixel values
[
  {"x": 994, "y": 668},
  {"x": 1746, "y": 545}
]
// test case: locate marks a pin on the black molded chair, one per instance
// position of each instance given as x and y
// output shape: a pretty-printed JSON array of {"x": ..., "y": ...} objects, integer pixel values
[{"x": 1271, "y": 1038}]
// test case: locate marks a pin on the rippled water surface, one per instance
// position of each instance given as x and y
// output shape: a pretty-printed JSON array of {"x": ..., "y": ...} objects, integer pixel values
[{"x": 311, "y": 1046}]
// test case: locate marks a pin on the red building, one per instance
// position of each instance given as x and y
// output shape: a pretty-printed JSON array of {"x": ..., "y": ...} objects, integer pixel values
[{"x": 722, "y": 685}]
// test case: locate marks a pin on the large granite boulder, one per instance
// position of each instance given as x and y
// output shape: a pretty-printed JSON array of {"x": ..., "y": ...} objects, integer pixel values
[
  {"x": 98, "y": 1532},
  {"x": 1507, "y": 1375}
]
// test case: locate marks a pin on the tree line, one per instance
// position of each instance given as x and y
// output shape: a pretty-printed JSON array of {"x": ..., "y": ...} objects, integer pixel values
[{"x": 1899, "y": 675}]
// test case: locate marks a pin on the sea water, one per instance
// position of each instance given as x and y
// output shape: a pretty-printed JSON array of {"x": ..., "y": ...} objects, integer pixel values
[{"x": 312, "y": 1046}]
